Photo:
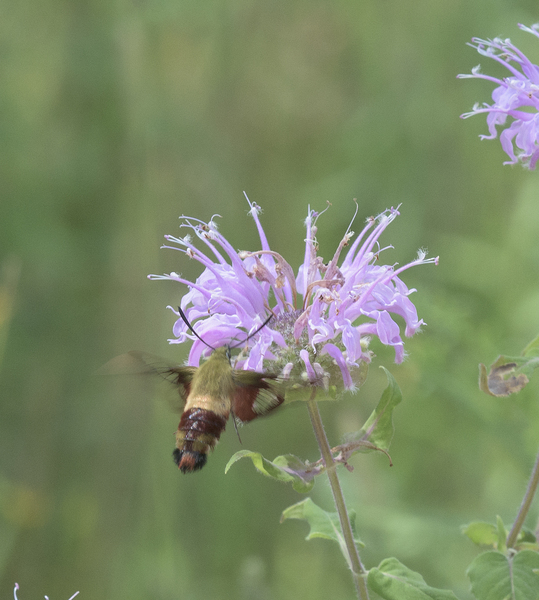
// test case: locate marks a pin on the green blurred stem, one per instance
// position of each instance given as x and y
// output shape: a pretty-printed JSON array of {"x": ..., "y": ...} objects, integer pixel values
[
  {"x": 358, "y": 570},
  {"x": 525, "y": 506}
]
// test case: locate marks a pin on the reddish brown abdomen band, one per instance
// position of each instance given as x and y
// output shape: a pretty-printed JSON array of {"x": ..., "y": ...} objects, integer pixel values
[{"x": 198, "y": 432}]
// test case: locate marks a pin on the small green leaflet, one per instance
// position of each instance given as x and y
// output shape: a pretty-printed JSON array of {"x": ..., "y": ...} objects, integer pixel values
[
  {"x": 323, "y": 524},
  {"x": 487, "y": 534},
  {"x": 502, "y": 534},
  {"x": 378, "y": 429},
  {"x": 495, "y": 576},
  {"x": 481, "y": 533},
  {"x": 394, "y": 581}
]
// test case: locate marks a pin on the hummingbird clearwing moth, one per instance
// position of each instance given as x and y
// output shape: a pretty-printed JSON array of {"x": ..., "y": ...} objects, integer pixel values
[{"x": 209, "y": 395}]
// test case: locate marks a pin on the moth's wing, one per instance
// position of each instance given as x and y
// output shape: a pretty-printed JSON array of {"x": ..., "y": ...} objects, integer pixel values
[
  {"x": 256, "y": 395},
  {"x": 142, "y": 363}
]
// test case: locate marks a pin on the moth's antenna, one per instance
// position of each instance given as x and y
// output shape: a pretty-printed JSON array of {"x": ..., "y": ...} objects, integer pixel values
[
  {"x": 254, "y": 332},
  {"x": 186, "y": 321},
  {"x": 184, "y": 318}
]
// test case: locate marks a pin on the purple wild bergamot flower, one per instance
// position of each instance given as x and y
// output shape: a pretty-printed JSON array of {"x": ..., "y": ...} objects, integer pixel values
[
  {"x": 323, "y": 317},
  {"x": 516, "y": 96}
]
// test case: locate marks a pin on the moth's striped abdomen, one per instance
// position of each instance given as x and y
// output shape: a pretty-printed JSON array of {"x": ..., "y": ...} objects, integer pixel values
[{"x": 198, "y": 432}]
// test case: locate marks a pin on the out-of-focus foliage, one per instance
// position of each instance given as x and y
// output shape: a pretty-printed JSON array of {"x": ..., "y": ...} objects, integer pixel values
[{"x": 117, "y": 117}]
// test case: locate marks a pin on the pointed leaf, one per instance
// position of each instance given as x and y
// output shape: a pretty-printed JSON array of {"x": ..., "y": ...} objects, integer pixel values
[
  {"x": 495, "y": 576},
  {"x": 379, "y": 426},
  {"x": 323, "y": 524},
  {"x": 287, "y": 468},
  {"x": 502, "y": 534},
  {"x": 394, "y": 581}
]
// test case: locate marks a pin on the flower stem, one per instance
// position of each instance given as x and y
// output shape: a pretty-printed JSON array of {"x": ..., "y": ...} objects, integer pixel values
[
  {"x": 358, "y": 570},
  {"x": 525, "y": 506}
]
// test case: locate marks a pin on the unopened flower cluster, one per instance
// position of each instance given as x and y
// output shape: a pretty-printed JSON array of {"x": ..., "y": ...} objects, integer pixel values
[
  {"x": 322, "y": 316},
  {"x": 516, "y": 97}
]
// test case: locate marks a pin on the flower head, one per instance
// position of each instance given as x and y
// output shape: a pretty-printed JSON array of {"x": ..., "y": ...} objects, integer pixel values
[
  {"x": 323, "y": 316},
  {"x": 516, "y": 96}
]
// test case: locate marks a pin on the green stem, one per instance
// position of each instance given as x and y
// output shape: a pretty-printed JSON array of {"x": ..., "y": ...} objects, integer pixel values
[
  {"x": 525, "y": 506},
  {"x": 358, "y": 570}
]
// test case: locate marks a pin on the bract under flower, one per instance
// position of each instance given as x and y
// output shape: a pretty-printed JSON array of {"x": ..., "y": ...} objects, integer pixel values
[
  {"x": 516, "y": 96},
  {"x": 323, "y": 317}
]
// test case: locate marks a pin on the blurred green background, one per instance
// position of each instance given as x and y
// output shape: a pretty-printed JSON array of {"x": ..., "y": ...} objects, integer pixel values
[{"x": 117, "y": 117}]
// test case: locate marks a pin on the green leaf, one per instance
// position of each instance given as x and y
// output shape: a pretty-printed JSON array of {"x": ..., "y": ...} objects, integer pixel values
[
  {"x": 495, "y": 576},
  {"x": 526, "y": 540},
  {"x": 481, "y": 533},
  {"x": 287, "y": 468},
  {"x": 323, "y": 524},
  {"x": 394, "y": 581},
  {"x": 502, "y": 534},
  {"x": 378, "y": 430},
  {"x": 527, "y": 535}
]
